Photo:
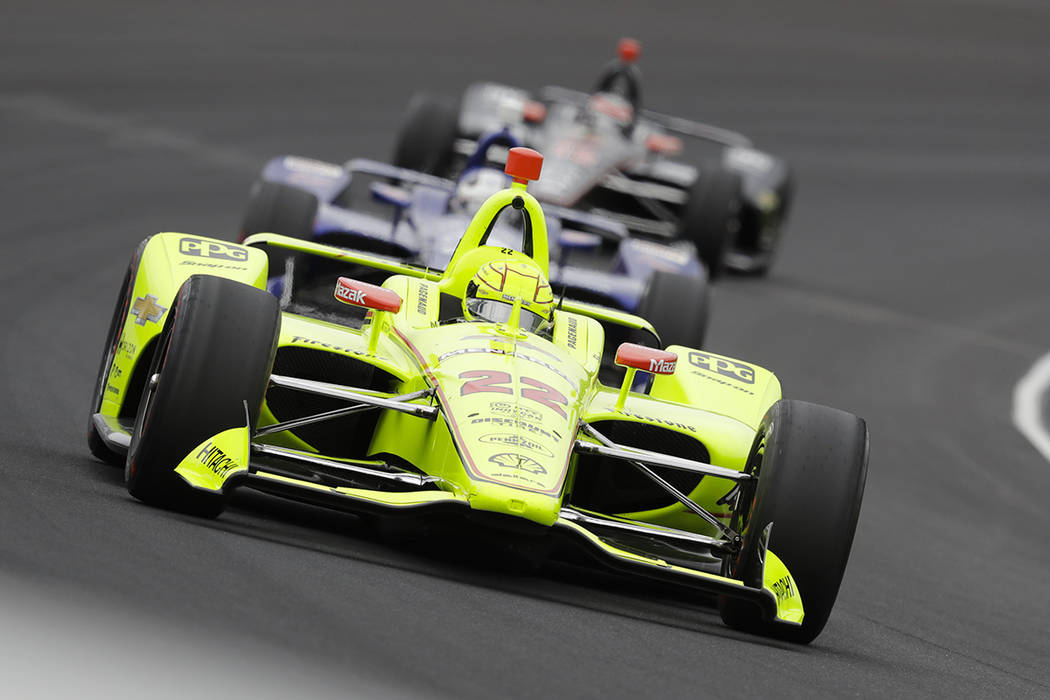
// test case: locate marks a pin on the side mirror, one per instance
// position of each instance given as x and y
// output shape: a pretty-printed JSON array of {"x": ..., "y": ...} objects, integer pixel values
[
  {"x": 578, "y": 240},
  {"x": 638, "y": 357},
  {"x": 369, "y": 296},
  {"x": 666, "y": 144},
  {"x": 355, "y": 293},
  {"x": 391, "y": 194}
]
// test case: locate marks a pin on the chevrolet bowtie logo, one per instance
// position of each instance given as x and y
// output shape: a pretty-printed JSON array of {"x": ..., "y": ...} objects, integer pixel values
[{"x": 146, "y": 309}]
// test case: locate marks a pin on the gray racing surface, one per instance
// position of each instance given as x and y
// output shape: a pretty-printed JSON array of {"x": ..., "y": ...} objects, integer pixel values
[{"x": 911, "y": 290}]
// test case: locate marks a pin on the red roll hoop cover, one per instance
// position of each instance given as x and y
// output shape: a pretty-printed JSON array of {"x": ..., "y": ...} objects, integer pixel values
[{"x": 523, "y": 164}]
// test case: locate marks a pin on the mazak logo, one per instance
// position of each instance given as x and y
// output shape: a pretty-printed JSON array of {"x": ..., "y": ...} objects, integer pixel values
[
  {"x": 216, "y": 460},
  {"x": 512, "y": 460},
  {"x": 662, "y": 366},
  {"x": 212, "y": 249},
  {"x": 720, "y": 365},
  {"x": 350, "y": 295},
  {"x": 513, "y": 440}
]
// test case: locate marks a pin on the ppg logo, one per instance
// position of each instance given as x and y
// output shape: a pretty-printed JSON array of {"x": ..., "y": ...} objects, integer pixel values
[
  {"x": 212, "y": 249},
  {"x": 720, "y": 365}
]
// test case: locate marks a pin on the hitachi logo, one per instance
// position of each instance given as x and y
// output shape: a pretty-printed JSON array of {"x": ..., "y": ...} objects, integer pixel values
[
  {"x": 662, "y": 366},
  {"x": 216, "y": 460}
]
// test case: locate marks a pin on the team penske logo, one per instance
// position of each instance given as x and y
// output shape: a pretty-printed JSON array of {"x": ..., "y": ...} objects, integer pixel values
[{"x": 515, "y": 440}]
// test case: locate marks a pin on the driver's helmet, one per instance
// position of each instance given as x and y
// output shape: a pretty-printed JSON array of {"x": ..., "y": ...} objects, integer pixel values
[
  {"x": 497, "y": 285},
  {"x": 475, "y": 186}
]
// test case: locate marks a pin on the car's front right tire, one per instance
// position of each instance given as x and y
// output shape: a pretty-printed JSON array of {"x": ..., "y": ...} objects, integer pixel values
[{"x": 811, "y": 462}]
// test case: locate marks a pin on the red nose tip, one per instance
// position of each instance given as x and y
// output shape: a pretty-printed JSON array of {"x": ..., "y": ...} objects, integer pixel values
[
  {"x": 629, "y": 50},
  {"x": 523, "y": 164}
]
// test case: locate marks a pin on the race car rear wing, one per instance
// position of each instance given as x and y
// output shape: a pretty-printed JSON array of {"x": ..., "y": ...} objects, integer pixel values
[
  {"x": 684, "y": 127},
  {"x": 397, "y": 267}
]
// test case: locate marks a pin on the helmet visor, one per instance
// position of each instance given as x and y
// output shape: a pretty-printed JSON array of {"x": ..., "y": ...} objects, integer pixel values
[{"x": 500, "y": 311}]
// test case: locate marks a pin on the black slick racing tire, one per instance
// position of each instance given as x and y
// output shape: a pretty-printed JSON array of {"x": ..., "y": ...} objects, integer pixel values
[
  {"x": 427, "y": 136},
  {"x": 120, "y": 312},
  {"x": 812, "y": 463},
  {"x": 213, "y": 358},
  {"x": 761, "y": 234},
  {"x": 677, "y": 306},
  {"x": 274, "y": 207},
  {"x": 711, "y": 217}
]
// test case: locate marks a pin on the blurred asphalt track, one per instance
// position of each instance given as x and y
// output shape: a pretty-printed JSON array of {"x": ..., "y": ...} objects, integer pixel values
[{"x": 911, "y": 289}]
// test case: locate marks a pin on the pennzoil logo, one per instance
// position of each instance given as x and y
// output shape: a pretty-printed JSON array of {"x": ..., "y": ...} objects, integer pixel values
[
  {"x": 512, "y": 460},
  {"x": 719, "y": 365},
  {"x": 147, "y": 309},
  {"x": 514, "y": 440},
  {"x": 202, "y": 248}
]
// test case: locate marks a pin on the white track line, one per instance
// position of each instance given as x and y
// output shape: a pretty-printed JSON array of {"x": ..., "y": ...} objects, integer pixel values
[
  {"x": 1028, "y": 405},
  {"x": 123, "y": 130}
]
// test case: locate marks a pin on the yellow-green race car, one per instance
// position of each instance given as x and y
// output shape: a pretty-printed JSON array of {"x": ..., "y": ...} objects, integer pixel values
[{"x": 472, "y": 395}]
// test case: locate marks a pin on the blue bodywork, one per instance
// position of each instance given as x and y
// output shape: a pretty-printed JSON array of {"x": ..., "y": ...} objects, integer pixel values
[{"x": 419, "y": 218}]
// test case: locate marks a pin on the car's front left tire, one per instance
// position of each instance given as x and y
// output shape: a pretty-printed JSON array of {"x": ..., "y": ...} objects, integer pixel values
[{"x": 209, "y": 374}]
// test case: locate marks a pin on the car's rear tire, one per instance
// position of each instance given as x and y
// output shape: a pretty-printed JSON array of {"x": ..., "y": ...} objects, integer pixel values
[
  {"x": 427, "y": 137},
  {"x": 213, "y": 358},
  {"x": 274, "y": 207},
  {"x": 812, "y": 463},
  {"x": 120, "y": 312},
  {"x": 677, "y": 306},
  {"x": 761, "y": 234},
  {"x": 711, "y": 217}
]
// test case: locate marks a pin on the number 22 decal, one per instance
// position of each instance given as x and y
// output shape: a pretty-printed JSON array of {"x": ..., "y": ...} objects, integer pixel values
[{"x": 483, "y": 381}]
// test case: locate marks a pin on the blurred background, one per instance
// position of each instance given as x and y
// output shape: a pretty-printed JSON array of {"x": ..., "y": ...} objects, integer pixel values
[{"x": 910, "y": 288}]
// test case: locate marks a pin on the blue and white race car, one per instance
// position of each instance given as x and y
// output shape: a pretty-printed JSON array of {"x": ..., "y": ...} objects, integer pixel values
[{"x": 409, "y": 216}]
